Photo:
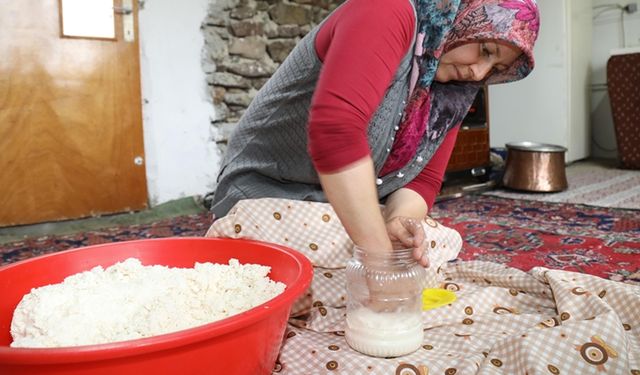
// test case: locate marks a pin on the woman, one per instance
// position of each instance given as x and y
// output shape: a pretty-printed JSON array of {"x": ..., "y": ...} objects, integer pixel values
[{"x": 366, "y": 109}]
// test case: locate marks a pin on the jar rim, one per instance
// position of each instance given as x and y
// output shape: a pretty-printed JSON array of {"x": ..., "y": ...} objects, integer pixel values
[{"x": 392, "y": 256}]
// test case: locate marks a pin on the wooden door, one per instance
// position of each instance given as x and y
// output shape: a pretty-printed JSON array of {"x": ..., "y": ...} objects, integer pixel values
[{"x": 70, "y": 119}]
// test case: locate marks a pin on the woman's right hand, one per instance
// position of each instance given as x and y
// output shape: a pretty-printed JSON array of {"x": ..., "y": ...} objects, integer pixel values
[{"x": 405, "y": 232}]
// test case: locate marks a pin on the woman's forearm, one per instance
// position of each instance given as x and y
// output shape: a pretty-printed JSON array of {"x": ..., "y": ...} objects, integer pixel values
[
  {"x": 352, "y": 193},
  {"x": 403, "y": 213},
  {"x": 405, "y": 202}
]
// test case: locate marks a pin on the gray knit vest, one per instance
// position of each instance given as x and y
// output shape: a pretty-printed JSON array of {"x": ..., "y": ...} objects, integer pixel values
[{"x": 267, "y": 153}]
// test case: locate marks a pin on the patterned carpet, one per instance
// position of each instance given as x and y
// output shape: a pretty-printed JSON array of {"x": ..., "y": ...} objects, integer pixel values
[
  {"x": 181, "y": 226},
  {"x": 589, "y": 184},
  {"x": 523, "y": 234}
]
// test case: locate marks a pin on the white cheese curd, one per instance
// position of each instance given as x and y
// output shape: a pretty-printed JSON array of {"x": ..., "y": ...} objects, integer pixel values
[
  {"x": 383, "y": 334},
  {"x": 130, "y": 301}
]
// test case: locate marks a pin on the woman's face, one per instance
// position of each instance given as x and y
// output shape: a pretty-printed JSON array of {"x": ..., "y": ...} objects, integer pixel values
[{"x": 476, "y": 60}]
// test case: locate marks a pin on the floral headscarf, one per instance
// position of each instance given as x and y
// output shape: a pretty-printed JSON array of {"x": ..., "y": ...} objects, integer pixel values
[{"x": 434, "y": 108}]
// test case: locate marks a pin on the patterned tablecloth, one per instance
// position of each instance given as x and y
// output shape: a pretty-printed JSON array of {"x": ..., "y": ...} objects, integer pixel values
[{"x": 504, "y": 321}]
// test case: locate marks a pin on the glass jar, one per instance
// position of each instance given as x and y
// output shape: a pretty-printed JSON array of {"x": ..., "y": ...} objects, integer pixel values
[{"x": 384, "y": 302}]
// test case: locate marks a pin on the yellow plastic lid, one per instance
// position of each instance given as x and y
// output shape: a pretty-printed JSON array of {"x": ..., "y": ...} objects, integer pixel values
[{"x": 432, "y": 298}]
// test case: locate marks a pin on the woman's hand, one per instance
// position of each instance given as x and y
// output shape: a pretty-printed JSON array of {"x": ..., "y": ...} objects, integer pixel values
[{"x": 406, "y": 232}]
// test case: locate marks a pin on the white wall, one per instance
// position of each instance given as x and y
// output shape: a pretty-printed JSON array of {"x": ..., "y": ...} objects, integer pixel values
[
  {"x": 580, "y": 46},
  {"x": 607, "y": 35},
  {"x": 181, "y": 158}
]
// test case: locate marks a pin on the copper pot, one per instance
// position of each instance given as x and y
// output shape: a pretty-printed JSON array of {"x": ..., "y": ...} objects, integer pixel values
[{"x": 534, "y": 166}]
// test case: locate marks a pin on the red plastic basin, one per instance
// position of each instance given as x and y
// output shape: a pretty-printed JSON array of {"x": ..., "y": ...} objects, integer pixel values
[{"x": 247, "y": 343}]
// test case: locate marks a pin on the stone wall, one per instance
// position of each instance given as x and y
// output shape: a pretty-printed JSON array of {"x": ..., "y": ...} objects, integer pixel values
[{"x": 245, "y": 41}]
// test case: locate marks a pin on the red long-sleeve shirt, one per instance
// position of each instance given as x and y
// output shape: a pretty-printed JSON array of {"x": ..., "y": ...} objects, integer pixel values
[{"x": 361, "y": 46}]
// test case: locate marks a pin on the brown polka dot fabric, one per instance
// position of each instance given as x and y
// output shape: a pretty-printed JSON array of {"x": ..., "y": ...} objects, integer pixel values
[
  {"x": 309, "y": 227},
  {"x": 623, "y": 81},
  {"x": 314, "y": 230},
  {"x": 504, "y": 321}
]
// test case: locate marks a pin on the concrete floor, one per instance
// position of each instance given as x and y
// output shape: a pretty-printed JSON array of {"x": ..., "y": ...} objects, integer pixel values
[{"x": 185, "y": 206}]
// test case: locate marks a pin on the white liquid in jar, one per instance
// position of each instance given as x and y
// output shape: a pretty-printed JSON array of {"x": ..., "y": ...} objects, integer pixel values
[{"x": 384, "y": 334}]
